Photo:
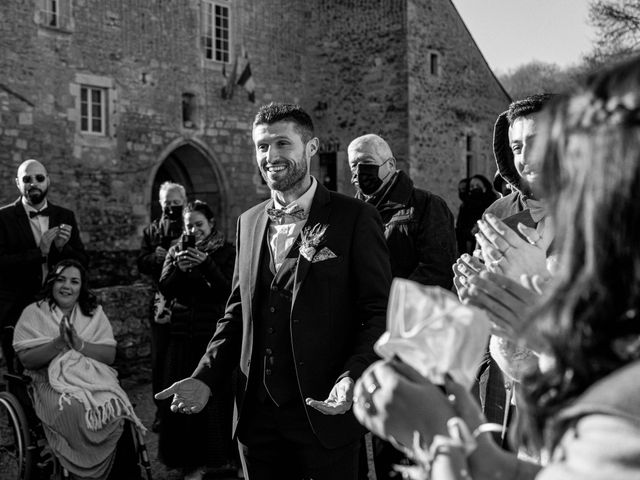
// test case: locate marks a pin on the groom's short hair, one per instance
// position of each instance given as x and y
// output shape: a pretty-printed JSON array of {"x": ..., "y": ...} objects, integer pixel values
[{"x": 286, "y": 112}]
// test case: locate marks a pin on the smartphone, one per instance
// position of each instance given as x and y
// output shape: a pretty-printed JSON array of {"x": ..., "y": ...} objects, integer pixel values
[{"x": 188, "y": 240}]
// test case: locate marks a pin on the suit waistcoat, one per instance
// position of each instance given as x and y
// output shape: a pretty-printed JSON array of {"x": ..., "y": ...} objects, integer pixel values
[{"x": 272, "y": 338}]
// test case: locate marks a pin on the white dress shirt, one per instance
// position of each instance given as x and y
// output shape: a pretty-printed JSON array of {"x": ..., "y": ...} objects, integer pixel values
[
  {"x": 282, "y": 236},
  {"x": 39, "y": 224}
]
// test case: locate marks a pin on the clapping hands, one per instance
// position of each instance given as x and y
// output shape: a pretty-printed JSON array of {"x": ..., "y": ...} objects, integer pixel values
[
  {"x": 68, "y": 336},
  {"x": 63, "y": 235},
  {"x": 505, "y": 252},
  {"x": 505, "y": 300}
]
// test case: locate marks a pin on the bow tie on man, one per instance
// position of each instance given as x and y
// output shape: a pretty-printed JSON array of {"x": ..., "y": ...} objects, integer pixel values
[
  {"x": 291, "y": 214},
  {"x": 44, "y": 212}
]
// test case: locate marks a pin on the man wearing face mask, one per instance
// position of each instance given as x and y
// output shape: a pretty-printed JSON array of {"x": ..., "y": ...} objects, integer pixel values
[
  {"x": 34, "y": 236},
  {"x": 157, "y": 238},
  {"x": 418, "y": 224}
]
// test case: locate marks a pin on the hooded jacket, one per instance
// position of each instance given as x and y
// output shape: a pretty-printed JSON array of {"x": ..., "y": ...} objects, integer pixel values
[{"x": 519, "y": 206}]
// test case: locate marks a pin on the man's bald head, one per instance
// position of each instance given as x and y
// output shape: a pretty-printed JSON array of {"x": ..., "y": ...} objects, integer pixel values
[
  {"x": 32, "y": 180},
  {"x": 31, "y": 165},
  {"x": 373, "y": 144}
]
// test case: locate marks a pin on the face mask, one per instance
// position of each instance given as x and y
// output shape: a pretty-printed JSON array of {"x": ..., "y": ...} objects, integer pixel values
[
  {"x": 173, "y": 213},
  {"x": 476, "y": 193},
  {"x": 367, "y": 177}
]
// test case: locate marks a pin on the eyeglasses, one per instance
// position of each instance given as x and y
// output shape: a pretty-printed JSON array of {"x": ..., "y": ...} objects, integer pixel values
[{"x": 39, "y": 178}]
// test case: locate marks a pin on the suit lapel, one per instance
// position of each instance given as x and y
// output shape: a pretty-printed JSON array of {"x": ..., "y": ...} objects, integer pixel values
[
  {"x": 54, "y": 219},
  {"x": 24, "y": 226},
  {"x": 257, "y": 237},
  {"x": 319, "y": 214}
]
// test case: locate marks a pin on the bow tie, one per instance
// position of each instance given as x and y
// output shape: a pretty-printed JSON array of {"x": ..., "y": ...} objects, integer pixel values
[
  {"x": 44, "y": 212},
  {"x": 281, "y": 215}
]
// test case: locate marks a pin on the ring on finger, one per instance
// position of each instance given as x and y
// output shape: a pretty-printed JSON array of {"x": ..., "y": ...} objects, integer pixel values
[
  {"x": 372, "y": 387},
  {"x": 369, "y": 408}
]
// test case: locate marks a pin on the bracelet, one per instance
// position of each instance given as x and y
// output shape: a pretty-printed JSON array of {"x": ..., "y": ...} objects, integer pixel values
[
  {"x": 459, "y": 437},
  {"x": 81, "y": 346}
]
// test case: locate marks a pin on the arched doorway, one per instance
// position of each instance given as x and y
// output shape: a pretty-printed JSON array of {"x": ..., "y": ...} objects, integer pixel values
[{"x": 190, "y": 165}]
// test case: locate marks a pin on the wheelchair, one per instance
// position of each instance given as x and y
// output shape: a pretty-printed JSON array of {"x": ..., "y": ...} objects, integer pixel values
[{"x": 24, "y": 451}]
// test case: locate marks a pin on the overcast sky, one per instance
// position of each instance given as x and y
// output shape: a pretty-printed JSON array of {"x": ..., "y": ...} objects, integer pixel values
[{"x": 512, "y": 32}]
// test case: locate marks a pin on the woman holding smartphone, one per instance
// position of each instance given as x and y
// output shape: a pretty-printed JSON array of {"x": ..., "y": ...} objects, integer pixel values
[{"x": 196, "y": 280}]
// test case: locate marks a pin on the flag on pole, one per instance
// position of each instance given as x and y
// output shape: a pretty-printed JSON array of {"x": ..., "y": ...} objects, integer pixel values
[
  {"x": 246, "y": 78},
  {"x": 230, "y": 80}
]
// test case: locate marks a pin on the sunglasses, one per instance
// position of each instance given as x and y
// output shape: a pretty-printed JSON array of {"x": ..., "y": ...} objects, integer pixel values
[{"x": 39, "y": 178}]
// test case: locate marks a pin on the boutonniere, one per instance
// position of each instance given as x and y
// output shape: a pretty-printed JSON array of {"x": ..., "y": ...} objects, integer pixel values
[{"x": 311, "y": 238}]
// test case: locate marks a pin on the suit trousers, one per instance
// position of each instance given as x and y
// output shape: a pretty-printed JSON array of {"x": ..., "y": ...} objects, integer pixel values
[
  {"x": 160, "y": 337},
  {"x": 277, "y": 443}
]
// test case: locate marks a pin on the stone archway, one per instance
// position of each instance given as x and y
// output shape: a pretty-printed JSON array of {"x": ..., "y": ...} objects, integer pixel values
[{"x": 191, "y": 165}]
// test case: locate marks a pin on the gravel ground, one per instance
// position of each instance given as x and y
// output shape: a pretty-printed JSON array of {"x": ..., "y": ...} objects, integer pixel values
[{"x": 138, "y": 387}]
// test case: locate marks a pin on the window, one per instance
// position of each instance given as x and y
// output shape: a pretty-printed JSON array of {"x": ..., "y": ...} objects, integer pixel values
[
  {"x": 433, "y": 62},
  {"x": 93, "y": 111},
  {"x": 55, "y": 14},
  {"x": 469, "y": 154},
  {"x": 188, "y": 110},
  {"x": 216, "y": 31}
]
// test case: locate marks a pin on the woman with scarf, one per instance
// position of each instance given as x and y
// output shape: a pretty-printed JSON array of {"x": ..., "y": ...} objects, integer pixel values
[
  {"x": 66, "y": 344},
  {"x": 196, "y": 280}
]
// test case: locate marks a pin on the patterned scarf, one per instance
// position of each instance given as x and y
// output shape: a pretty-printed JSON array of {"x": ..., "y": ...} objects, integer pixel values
[{"x": 211, "y": 242}]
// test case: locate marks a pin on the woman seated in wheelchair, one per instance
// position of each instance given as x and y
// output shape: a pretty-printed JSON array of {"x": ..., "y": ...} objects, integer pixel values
[{"x": 66, "y": 344}]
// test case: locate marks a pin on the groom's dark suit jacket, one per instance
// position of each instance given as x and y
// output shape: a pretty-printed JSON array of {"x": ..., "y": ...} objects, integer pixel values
[
  {"x": 337, "y": 310},
  {"x": 21, "y": 260}
]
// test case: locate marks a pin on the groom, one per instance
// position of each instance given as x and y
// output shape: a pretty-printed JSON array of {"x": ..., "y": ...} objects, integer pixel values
[{"x": 308, "y": 301}]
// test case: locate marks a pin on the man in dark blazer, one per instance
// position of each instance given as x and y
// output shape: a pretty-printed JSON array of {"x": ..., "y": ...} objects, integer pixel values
[
  {"x": 308, "y": 301},
  {"x": 34, "y": 236}
]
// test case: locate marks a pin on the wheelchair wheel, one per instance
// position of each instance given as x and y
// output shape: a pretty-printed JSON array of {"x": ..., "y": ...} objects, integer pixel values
[{"x": 16, "y": 458}]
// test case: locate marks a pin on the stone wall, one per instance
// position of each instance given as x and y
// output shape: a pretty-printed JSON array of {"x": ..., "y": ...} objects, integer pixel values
[
  {"x": 462, "y": 98},
  {"x": 131, "y": 324},
  {"x": 356, "y": 65},
  {"x": 357, "y": 60}
]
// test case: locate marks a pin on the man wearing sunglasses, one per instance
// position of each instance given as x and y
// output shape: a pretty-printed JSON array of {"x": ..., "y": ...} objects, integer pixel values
[{"x": 34, "y": 236}]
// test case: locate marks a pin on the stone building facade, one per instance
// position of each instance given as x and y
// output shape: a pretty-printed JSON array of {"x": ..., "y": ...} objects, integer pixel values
[{"x": 116, "y": 96}]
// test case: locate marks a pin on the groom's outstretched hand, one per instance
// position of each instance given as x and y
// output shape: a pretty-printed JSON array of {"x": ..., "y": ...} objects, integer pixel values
[
  {"x": 339, "y": 401},
  {"x": 190, "y": 395}
]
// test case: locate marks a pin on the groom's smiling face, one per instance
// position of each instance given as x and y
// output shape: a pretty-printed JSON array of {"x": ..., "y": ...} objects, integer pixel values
[{"x": 283, "y": 156}]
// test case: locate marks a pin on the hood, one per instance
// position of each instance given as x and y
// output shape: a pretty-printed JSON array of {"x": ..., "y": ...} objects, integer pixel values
[{"x": 503, "y": 154}]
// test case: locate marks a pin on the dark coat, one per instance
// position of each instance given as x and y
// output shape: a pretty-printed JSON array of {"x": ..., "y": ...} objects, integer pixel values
[
  {"x": 203, "y": 291},
  {"x": 420, "y": 233},
  {"x": 155, "y": 235},
  {"x": 197, "y": 300},
  {"x": 337, "y": 311},
  {"x": 21, "y": 259}
]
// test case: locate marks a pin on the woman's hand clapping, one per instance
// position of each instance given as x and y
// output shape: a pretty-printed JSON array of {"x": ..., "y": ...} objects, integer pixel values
[{"x": 505, "y": 300}]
